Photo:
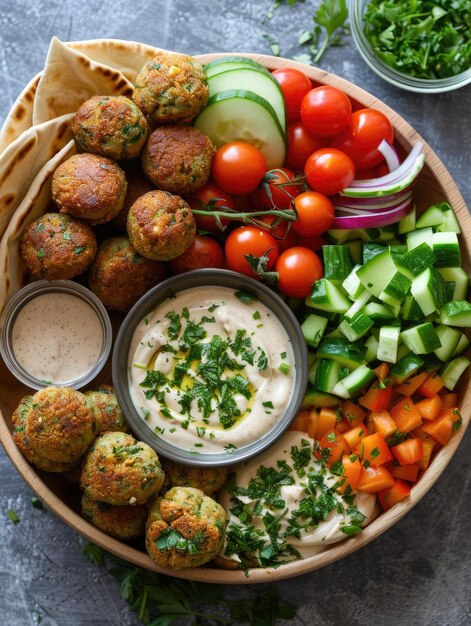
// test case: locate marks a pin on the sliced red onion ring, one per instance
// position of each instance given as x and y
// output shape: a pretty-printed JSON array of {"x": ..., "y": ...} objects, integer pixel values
[
  {"x": 390, "y": 155},
  {"x": 375, "y": 220},
  {"x": 389, "y": 202},
  {"x": 361, "y": 201}
]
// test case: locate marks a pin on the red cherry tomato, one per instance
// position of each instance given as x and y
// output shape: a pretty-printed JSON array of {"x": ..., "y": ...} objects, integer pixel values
[
  {"x": 360, "y": 140},
  {"x": 313, "y": 243},
  {"x": 207, "y": 196},
  {"x": 284, "y": 238},
  {"x": 238, "y": 167},
  {"x": 329, "y": 171},
  {"x": 294, "y": 85},
  {"x": 298, "y": 268},
  {"x": 273, "y": 183},
  {"x": 381, "y": 170},
  {"x": 203, "y": 252},
  {"x": 301, "y": 144},
  {"x": 325, "y": 111},
  {"x": 249, "y": 240},
  {"x": 315, "y": 214}
]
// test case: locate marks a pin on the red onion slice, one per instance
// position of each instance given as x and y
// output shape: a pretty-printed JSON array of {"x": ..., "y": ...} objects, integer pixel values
[
  {"x": 375, "y": 220},
  {"x": 390, "y": 155}
]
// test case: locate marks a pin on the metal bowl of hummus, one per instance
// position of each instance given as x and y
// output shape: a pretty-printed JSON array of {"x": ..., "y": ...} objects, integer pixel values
[{"x": 210, "y": 367}]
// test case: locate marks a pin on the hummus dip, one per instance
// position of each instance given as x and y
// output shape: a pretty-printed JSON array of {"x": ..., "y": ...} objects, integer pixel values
[{"x": 211, "y": 369}]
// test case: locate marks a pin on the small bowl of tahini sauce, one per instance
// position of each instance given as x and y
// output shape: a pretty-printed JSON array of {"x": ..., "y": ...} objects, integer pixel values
[{"x": 55, "y": 333}]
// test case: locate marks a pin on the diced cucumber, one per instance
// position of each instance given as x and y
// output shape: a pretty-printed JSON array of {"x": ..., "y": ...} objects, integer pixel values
[
  {"x": 313, "y": 329},
  {"x": 453, "y": 370},
  {"x": 356, "y": 327},
  {"x": 251, "y": 79},
  {"x": 252, "y": 120},
  {"x": 450, "y": 223},
  {"x": 311, "y": 357},
  {"x": 432, "y": 363},
  {"x": 386, "y": 233},
  {"x": 449, "y": 291},
  {"x": 334, "y": 333},
  {"x": 356, "y": 250},
  {"x": 337, "y": 263},
  {"x": 416, "y": 237},
  {"x": 343, "y": 373},
  {"x": 360, "y": 301},
  {"x": 371, "y": 349},
  {"x": 397, "y": 249},
  {"x": 377, "y": 273},
  {"x": 379, "y": 313},
  {"x": 446, "y": 250},
  {"x": 352, "y": 284},
  {"x": 421, "y": 339},
  {"x": 402, "y": 351},
  {"x": 396, "y": 290},
  {"x": 419, "y": 258},
  {"x": 370, "y": 250},
  {"x": 407, "y": 224},
  {"x": 388, "y": 343},
  {"x": 458, "y": 276},
  {"x": 433, "y": 216},
  {"x": 411, "y": 311},
  {"x": 324, "y": 374},
  {"x": 450, "y": 339},
  {"x": 462, "y": 345},
  {"x": 456, "y": 313},
  {"x": 406, "y": 367},
  {"x": 428, "y": 288},
  {"x": 315, "y": 399},
  {"x": 355, "y": 382},
  {"x": 341, "y": 235},
  {"x": 345, "y": 352},
  {"x": 327, "y": 297},
  {"x": 231, "y": 63}
]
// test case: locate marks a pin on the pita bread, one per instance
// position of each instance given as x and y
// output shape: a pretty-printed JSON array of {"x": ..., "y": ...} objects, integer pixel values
[
  {"x": 13, "y": 273},
  {"x": 20, "y": 117},
  {"x": 70, "y": 78}
]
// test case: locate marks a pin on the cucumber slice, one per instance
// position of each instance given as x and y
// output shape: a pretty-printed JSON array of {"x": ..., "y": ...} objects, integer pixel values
[
  {"x": 456, "y": 313},
  {"x": 355, "y": 382},
  {"x": 428, "y": 289},
  {"x": 446, "y": 250},
  {"x": 359, "y": 303},
  {"x": 371, "y": 349},
  {"x": 337, "y": 263},
  {"x": 462, "y": 345},
  {"x": 419, "y": 258},
  {"x": 396, "y": 290},
  {"x": 450, "y": 339},
  {"x": 231, "y": 63},
  {"x": 388, "y": 343},
  {"x": 421, "y": 339},
  {"x": 416, "y": 237},
  {"x": 450, "y": 223},
  {"x": 377, "y": 273},
  {"x": 315, "y": 398},
  {"x": 458, "y": 276},
  {"x": 406, "y": 367},
  {"x": 371, "y": 249},
  {"x": 433, "y": 216},
  {"x": 341, "y": 235},
  {"x": 356, "y": 327},
  {"x": 453, "y": 370},
  {"x": 326, "y": 296},
  {"x": 402, "y": 351},
  {"x": 238, "y": 115},
  {"x": 324, "y": 375},
  {"x": 386, "y": 233},
  {"x": 352, "y": 284},
  {"x": 411, "y": 311},
  {"x": 251, "y": 79},
  {"x": 313, "y": 328},
  {"x": 345, "y": 352},
  {"x": 379, "y": 313},
  {"x": 356, "y": 250},
  {"x": 407, "y": 224}
]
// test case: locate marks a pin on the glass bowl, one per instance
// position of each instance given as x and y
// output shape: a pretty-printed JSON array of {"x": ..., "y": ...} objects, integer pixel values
[{"x": 388, "y": 73}]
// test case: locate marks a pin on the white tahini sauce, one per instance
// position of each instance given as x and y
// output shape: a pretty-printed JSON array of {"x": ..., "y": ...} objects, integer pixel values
[
  {"x": 57, "y": 337},
  {"x": 256, "y": 343}
]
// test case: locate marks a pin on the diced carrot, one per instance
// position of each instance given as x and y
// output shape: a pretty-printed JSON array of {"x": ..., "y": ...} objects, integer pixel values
[
  {"x": 353, "y": 414},
  {"x": 394, "y": 494},
  {"x": 409, "y": 451},
  {"x": 429, "y": 408},
  {"x": 326, "y": 422},
  {"x": 405, "y": 472},
  {"x": 409, "y": 387},
  {"x": 377, "y": 398},
  {"x": 382, "y": 371},
  {"x": 443, "y": 427},
  {"x": 449, "y": 400},
  {"x": 421, "y": 434},
  {"x": 351, "y": 472},
  {"x": 428, "y": 447},
  {"x": 336, "y": 445},
  {"x": 374, "y": 449},
  {"x": 312, "y": 424},
  {"x": 300, "y": 422},
  {"x": 355, "y": 435},
  {"x": 405, "y": 415},
  {"x": 370, "y": 426},
  {"x": 431, "y": 386},
  {"x": 342, "y": 426},
  {"x": 383, "y": 423},
  {"x": 373, "y": 479}
]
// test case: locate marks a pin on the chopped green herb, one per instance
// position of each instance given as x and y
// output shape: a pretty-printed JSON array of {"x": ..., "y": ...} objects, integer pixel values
[
  {"x": 284, "y": 368},
  {"x": 41, "y": 253},
  {"x": 13, "y": 516},
  {"x": 256, "y": 315},
  {"x": 244, "y": 296},
  {"x": 93, "y": 553},
  {"x": 374, "y": 453},
  {"x": 79, "y": 249},
  {"x": 37, "y": 503}
]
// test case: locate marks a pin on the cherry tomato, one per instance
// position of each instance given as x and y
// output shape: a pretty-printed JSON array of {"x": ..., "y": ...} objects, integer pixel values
[
  {"x": 329, "y": 171},
  {"x": 313, "y": 243},
  {"x": 298, "y": 268},
  {"x": 203, "y": 252},
  {"x": 360, "y": 140},
  {"x": 294, "y": 85},
  {"x": 366, "y": 174},
  {"x": 326, "y": 111},
  {"x": 301, "y": 144},
  {"x": 207, "y": 196},
  {"x": 284, "y": 238},
  {"x": 381, "y": 170},
  {"x": 315, "y": 214},
  {"x": 281, "y": 195},
  {"x": 238, "y": 167},
  {"x": 249, "y": 240}
]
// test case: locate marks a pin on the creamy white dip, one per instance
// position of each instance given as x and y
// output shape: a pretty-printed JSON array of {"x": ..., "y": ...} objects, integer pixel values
[
  {"x": 207, "y": 337},
  {"x": 311, "y": 538}
]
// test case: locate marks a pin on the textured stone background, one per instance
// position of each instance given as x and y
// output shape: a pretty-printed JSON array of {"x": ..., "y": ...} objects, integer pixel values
[{"x": 417, "y": 573}]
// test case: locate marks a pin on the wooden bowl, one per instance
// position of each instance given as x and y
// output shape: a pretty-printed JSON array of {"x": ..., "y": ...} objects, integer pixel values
[{"x": 434, "y": 184}]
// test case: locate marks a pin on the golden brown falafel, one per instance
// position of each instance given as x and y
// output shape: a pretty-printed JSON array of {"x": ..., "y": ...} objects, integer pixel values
[
  {"x": 105, "y": 402},
  {"x": 138, "y": 185},
  {"x": 122, "y": 522},
  {"x": 210, "y": 480}
]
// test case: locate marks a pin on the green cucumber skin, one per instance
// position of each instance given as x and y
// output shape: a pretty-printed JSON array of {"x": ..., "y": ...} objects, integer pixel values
[
  {"x": 449, "y": 338},
  {"x": 370, "y": 250},
  {"x": 230, "y": 60},
  {"x": 345, "y": 352},
  {"x": 315, "y": 398},
  {"x": 456, "y": 313},
  {"x": 337, "y": 263},
  {"x": 408, "y": 365},
  {"x": 419, "y": 259},
  {"x": 453, "y": 371},
  {"x": 313, "y": 329}
]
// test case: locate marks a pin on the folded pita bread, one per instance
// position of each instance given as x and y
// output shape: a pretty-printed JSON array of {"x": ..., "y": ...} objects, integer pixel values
[{"x": 21, "y": 115}]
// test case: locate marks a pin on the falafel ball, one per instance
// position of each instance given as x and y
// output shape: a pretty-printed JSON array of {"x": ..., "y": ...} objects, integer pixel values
[
  {"x": 171, "y": 88},
  {"x": 112, "y": 126},
  {"x": 57, "y": 246},
  {"x": 19, "y": 419},
  {"x": 209, "y": 480},
  {"x": 122, "y": 522},
  {"x": 120, "y": 470},
  {"x": 61, "y": 423},
  {"x": 105, "y": 402},
  {"x": 184, "y": 529},
  {"x": 161, "y": 226},
  {"x": 138, "y": 185},
  {"x": 119, "y": 275},
  {"x": 178, "y": 159},
  {"x": 90, "y": 187}
]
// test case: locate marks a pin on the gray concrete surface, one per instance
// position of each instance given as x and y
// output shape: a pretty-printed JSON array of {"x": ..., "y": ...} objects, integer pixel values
[{"x": 418, "y": 572}]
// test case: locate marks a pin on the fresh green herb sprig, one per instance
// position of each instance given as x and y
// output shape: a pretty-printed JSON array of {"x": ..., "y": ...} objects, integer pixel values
[{"x": 425, "y": 39}]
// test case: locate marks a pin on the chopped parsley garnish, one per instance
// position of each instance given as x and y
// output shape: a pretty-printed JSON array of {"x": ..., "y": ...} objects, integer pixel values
[
  {"x": 256, "y": 315},
  {"x": 284, "y": 368},
  {"x": 13, "y": 516},
  {"x": 170, "y": 538},
  {"x": 245, "y": 296},
  {"x": 268, "y": 405},
  {"x": 374, "y": 453}
]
